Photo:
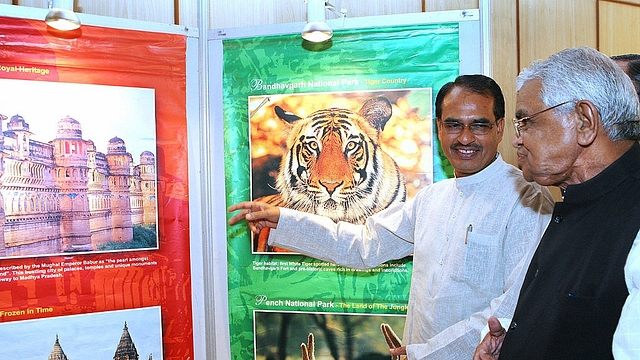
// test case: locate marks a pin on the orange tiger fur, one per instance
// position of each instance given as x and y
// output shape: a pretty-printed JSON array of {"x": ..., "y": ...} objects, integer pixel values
[{"x": 335, "y": 166}]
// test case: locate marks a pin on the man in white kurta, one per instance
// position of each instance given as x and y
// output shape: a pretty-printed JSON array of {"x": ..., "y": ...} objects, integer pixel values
[
  {"x": 457, "y": 230},
  {"x": 626, "y": 340},
  {"x": 471, "y": 237}
]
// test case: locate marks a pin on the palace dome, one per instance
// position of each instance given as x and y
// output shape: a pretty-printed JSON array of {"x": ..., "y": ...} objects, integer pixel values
[
  {"x": 116, "y": 146},
  {"x": 17, "y": 123},
  {"x": 147, "y": 158},
  {"x": 69, "y": 128}
]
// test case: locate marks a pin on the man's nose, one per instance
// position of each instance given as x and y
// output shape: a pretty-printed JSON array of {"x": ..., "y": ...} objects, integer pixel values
[{"x": 466, "y": 136}]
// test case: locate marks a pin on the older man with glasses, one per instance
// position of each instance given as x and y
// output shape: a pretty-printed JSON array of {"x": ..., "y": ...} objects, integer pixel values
[
  {"x": 583, "y": 141},
  {"x": 471, "y": 236}
]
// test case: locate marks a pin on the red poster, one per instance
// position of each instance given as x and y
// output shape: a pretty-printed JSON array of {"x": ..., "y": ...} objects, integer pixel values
[{"x": 79, "y": 188}]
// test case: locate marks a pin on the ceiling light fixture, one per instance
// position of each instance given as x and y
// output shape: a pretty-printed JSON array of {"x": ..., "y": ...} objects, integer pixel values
[
  {"x": 61, "y": 15},
  {"x": 317, "y": 29}
]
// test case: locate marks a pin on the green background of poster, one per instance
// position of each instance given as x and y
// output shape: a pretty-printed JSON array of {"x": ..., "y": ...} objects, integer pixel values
[{"x": 426, "y": 55}]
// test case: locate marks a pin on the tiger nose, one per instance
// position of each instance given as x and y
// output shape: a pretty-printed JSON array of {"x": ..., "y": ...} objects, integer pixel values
[{"x": 330, "y": 185}]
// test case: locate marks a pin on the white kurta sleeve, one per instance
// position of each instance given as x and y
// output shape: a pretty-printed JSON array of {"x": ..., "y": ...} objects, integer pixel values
[
  {"x": 626, "y": 339},
  {"x": 386, "y": 236}
]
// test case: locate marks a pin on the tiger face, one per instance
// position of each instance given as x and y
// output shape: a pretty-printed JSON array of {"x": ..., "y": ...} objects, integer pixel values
[{"x": 334, "y": 165}]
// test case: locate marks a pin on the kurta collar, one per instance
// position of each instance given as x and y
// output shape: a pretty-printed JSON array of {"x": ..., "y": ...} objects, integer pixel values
[
  {"x": 610, "y": 178},
  {"x": 481, "y": 176}
]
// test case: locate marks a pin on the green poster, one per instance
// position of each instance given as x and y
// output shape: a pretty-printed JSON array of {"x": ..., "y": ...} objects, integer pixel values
[{"x": 386, "y": 76}]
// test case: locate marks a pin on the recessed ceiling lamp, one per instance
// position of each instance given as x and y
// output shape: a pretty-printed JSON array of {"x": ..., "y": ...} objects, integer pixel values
[
  {"x": 317, "y": 29},
  {"x": 61, "y": 15}
]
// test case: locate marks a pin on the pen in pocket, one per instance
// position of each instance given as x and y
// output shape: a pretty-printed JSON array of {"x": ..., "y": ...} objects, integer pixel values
[{"x": 466, "y": 236}]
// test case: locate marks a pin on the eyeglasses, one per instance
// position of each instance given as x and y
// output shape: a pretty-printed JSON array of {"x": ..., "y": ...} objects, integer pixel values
[
  {"x": 476, "y": 128},
  {"x": 520, "y": 124}
]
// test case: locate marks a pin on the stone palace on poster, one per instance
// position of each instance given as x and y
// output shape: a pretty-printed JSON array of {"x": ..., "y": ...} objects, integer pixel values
[{"x": 64, "y": 196}]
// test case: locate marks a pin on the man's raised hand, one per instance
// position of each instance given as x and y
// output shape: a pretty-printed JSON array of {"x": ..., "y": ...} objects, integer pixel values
[{"x": 259, "y": 215}]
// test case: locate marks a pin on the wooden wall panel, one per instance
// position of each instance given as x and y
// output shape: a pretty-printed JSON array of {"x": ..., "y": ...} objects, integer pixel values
[
  {"x": 548, "y": 26},
  {"x": 187, "y": 13},
  {"x": 444, "y": 5},
  {"x": 359, "y": 8},
  {"x": 33, "y": 3},
  {"x": 619, "y": 27},
  {"x": 294, "y": 10},
  {"x": 161, "y": 11},
  {"x": 238, "y": 13},
  {"x": 504, "y": 67},
  {"x": 225, "y": 14},
  {"x": 628, "y": 2}
]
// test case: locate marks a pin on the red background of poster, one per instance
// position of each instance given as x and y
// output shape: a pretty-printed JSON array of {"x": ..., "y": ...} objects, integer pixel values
[{"x": 105, "y": 56}]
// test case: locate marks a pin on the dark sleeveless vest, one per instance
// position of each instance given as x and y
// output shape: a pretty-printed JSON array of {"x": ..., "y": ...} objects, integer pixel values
[{"x": 574, "y": 289}]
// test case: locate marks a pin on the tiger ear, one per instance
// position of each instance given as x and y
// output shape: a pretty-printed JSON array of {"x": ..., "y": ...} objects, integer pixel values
[
  {"x": 286, "y": 116},
  {"x": 377, "y": 111}
]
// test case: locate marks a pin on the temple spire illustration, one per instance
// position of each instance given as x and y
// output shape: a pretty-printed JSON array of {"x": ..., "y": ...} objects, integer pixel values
[
  {"x": 57, "y": 353},
  {"x": 126, "y": 348}
]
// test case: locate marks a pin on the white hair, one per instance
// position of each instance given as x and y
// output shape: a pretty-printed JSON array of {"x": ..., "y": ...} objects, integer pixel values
[{"x": 583, "y": 73}]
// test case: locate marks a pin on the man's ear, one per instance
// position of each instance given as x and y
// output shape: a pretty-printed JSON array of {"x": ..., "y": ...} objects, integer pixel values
[
  {"x": 500, "y": 124},
  {"x": 588, "y": 122},
  {"x": 438, "y": 128}
]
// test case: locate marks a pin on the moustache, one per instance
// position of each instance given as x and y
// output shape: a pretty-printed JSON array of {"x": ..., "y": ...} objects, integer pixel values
[{"x": 472, "y": 146}]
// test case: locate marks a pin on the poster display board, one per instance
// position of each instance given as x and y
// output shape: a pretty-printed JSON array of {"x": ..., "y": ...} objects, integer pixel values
[
  {"x": 276, "y": 92},
  {"x": 94, "y": 210}
]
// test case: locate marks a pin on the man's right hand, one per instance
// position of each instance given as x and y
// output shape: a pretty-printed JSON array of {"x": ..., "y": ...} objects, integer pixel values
[{"x": 259, "y": 215}]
